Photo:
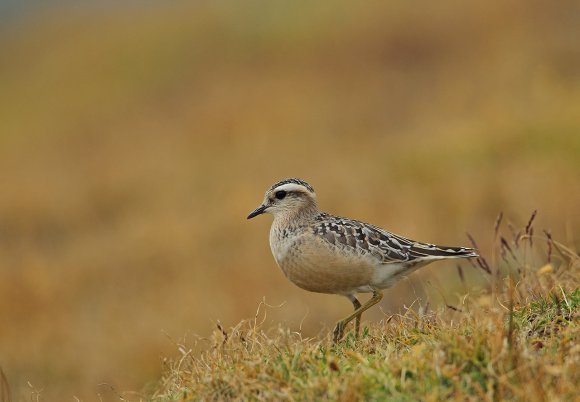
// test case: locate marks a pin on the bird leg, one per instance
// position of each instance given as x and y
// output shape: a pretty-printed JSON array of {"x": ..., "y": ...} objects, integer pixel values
[
  {"x": 339, "y": 329},
  {"x": 356, "y": 305}
]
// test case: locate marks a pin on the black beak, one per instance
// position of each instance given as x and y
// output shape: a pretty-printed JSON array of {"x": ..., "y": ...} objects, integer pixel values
[{"x": 258, "y": 211}]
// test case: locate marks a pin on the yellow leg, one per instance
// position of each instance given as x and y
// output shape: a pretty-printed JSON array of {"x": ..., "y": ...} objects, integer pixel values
[
  {"x": 356, "y": 305},
  {"x": 339, "y": 329}
]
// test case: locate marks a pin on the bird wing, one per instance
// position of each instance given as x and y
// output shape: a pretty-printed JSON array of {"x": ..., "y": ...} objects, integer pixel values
[{"x": 386, "y": 246}]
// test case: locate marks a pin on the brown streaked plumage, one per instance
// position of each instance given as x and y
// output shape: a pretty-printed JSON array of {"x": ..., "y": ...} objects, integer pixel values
[{"x": 324, "y": 253}]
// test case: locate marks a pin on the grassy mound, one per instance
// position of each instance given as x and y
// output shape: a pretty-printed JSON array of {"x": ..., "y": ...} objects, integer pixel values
[{"x": 516, "y": 339}]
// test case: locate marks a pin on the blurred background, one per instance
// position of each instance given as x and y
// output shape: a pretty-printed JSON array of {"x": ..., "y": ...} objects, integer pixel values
[{"x": 135, "y": 137}]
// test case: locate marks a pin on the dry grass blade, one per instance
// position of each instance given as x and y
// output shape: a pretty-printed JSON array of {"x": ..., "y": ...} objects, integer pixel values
[
  {"x": 549, "y": 241},
  {"x": 566, "y": 252},
  {"x": 506, "y": 246},
  {"x": 530, "y": 229},
  {"x": 5, "y": 395},
  {"x": 481, "y": 262},
  {"x": 454, "y": 308},
  {"x": 223, "y": 331},
  {"x": 472, "y": 240},
  {"x": 460, "y": 273},
  {"x": 530, "y": 222},
  {"x": 498, "y": 223}
]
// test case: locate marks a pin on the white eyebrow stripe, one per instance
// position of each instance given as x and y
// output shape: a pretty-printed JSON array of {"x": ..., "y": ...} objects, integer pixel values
[{"x": 291, "y": 187}]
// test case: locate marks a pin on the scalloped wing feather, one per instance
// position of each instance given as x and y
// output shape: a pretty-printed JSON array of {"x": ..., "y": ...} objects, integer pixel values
[{"x": 387, "y": 247}]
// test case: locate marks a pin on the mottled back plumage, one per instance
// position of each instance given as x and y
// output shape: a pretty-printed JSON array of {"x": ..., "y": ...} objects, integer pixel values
[{"x": 388, "y": 247}]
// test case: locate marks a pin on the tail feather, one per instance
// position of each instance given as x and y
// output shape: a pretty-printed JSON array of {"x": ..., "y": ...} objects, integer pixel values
[{"x": 424, "y": 250}]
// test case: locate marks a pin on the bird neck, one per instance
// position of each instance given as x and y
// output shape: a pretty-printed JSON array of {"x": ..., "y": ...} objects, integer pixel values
[{"x": 297, "y": 217}]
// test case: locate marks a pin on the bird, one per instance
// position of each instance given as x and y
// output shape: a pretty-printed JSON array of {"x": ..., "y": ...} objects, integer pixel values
[{"x": 323, "y": 253}]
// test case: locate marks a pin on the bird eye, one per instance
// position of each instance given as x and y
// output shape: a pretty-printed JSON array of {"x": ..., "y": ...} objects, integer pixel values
[{"x": 280, "y": 194}]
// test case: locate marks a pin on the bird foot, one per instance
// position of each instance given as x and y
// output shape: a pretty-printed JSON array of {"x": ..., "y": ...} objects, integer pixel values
[{"x": 338, "y": 332}]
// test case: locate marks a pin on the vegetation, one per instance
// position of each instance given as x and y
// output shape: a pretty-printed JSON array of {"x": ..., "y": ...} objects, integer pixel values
[{"x": 516, "y": 340}]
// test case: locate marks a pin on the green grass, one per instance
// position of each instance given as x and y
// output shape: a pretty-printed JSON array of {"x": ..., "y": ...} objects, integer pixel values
[{"x": 514, "y": 341}]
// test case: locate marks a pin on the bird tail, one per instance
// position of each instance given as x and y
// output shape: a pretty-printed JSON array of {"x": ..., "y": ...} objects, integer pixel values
[{"x": 424, "y": 250}]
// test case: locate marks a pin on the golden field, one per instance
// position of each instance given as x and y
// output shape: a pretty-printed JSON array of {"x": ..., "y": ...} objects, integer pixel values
[{"x": 135, "y": 140}]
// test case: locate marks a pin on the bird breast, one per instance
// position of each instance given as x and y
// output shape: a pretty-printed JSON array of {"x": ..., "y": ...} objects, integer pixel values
[
  {"x": 281, "y": 241},
  {"x": 315, "y": 265}
]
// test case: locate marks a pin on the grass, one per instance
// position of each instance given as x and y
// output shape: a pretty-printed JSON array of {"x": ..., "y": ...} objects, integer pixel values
[{"x": 515, "y": 340}]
